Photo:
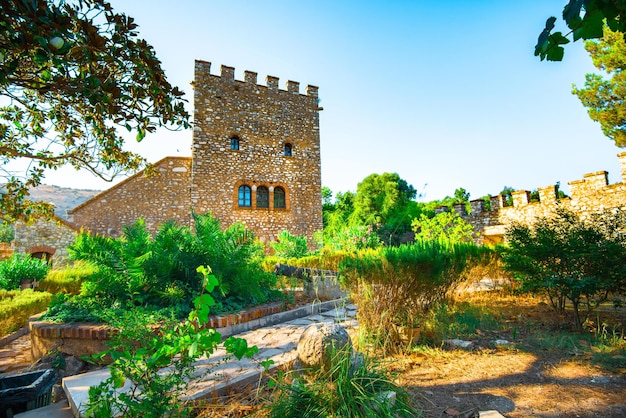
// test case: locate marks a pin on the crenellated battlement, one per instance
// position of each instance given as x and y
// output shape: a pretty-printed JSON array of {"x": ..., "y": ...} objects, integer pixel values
[
  {"x": 227, "y": 75},
  {"x": 590, "y": 194}
]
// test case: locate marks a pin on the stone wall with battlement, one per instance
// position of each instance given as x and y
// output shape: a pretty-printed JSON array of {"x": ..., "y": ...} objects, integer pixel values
[{"x": 590, "y": 194}]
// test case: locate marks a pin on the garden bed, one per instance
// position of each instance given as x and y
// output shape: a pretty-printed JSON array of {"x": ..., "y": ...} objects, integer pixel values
[{"x": 79, "y": 339}]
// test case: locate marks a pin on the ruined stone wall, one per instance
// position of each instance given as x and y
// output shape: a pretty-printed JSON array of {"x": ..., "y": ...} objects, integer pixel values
[
  {"x": 590, "y": 194},
  {"x": 258, "y": 137},
  {"x": 155, "y": 199},
  {"x": 49, "y": 236}
]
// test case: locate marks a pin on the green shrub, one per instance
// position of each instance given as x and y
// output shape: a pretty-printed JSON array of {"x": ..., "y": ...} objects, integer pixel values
[
  {"x": 21, "y": 267},
  {"x": 159, "y": 272},
  {"x": 395, "y": 287},
  {"x": 17, "y": 306},
  {"x": 567, "y": 258},
  {"x": 67, "y": 280},
  {"x": 289, "y": 246}
]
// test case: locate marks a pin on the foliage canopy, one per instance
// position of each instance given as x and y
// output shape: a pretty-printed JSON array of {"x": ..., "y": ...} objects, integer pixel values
[
  {"x": 604, "y": 98},
  {"x": 73, "y": 75},
  {"x": 585, "y": 19}
]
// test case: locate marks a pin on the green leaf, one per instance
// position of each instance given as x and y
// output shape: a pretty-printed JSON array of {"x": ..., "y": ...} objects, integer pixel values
[
  {"x": 118, "y": 378},
  {"x": 193, "y": 349},
  {"x": 267, "y": 364},
  {"x": 239, "y": 348},
  {"x": 203, "y": 315},
  {"x": 141, "y": 134},
  {"x": 571, "y": 13},
  {"x": 592, "y": 25}
]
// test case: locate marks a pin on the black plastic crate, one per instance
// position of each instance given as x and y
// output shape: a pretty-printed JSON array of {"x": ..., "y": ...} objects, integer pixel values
[{"x": 26, "y": 391}]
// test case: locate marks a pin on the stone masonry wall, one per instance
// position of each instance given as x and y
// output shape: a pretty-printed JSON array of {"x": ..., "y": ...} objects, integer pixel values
[
  {"x": 263, "y": 121},
  {"x": 155, "y": 199},
  {"x": 52, "y": 237},
  {"x": 590, "y": 194}
]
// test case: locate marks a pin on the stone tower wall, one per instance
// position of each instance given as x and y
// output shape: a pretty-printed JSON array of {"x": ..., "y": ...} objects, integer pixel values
[
  {"x": 263, "y": 119},
  {"x": 155, "y": 199}
]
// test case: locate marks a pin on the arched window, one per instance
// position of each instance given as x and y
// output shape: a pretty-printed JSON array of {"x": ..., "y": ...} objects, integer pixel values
[
  {"x": 288, "y": 150},
  {"x": 244, "y": 196},
  {"x": 262, "y": 197},
  {"x": 234, "y": 143},
  {"x": 279, "y": 198}
]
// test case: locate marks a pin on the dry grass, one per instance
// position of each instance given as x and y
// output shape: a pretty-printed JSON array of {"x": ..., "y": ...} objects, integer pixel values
[{"x": 547, "y": 371}]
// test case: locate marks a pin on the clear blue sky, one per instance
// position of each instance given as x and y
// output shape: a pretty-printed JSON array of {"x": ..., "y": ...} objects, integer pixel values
[{"x": 447, "y": 94}]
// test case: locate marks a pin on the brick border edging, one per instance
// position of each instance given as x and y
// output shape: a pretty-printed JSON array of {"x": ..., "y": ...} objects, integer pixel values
[{"x": 226, "y": 325}]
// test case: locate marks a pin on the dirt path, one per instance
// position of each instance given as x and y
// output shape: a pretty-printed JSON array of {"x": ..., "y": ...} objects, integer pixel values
[{"x": 514, "y": 383}]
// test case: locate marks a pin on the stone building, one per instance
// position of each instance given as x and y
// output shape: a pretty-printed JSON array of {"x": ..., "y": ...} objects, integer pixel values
[
  {"x": 44, "y": 239},
  {"x": 592, "y": 193},
  {"x": 255, "y": 159}
]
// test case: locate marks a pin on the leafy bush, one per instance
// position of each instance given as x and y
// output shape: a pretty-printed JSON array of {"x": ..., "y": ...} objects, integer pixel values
[
  {"x": 67, "y": 280},
  {"x": 21, "y": 267},
  {"x": 396, "y": 287},
  {"x": 567, "y": 258},
  {"x": 160, "y": 272},
  {"x": 344, "y": 390},
  {"x": 17, "y": 306},
  {"x": 289, "y": 245}
]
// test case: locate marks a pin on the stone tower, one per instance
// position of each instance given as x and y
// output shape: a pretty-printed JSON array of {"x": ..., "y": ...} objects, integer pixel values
[{"x": 256, "y": 153}]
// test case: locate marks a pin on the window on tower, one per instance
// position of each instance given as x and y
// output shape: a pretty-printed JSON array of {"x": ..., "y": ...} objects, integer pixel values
[
  {"x": 245, "y": 194},
  {"x": 279, "y": 198},
  {"x": 262, "y": 197}
]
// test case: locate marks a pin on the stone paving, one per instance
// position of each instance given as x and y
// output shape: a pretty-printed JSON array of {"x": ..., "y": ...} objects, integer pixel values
[
  {"x": 15, "y": 355},
  {"x": 217, "y": 376}
]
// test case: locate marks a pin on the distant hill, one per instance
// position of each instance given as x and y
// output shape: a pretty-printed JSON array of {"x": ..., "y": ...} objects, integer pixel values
[{"x": 64, "y": 198}]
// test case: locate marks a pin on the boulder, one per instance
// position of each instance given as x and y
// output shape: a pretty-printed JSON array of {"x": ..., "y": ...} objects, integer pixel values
[{"x": 319, "y": 341}]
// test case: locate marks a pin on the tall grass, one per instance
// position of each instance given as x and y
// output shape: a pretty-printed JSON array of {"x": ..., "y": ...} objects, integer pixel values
[{"x": 349, "y": 388}]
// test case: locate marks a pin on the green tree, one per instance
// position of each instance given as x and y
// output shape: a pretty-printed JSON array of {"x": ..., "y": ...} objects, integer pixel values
[
  {"x": 446, "y": 226},
  {"x": 585, "y": 19},
  {"x": 461, "y": 195},
  {"x": 378, "y": 196},
  {"x": 507, "y": 194},
  {"x": 567, "y": 258},
  {"x": 73, "y": 76},
  {"x": 604, "y": 98},
  {"x": 327, "y": 196},
  {"x": 384, "y": 202}
]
